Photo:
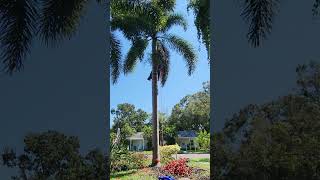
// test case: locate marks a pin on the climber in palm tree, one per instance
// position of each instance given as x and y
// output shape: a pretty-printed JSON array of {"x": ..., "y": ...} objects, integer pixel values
[{"x": 148, "y": 24}]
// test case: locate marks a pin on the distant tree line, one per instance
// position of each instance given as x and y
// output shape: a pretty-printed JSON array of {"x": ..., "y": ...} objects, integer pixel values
[{"x": 191, "y": 113}]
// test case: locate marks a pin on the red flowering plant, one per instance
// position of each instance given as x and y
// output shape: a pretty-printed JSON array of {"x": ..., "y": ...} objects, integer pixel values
[{"x": 178, "y": 167}]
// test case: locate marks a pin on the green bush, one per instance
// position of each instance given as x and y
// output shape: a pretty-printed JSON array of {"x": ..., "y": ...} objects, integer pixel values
[
  {"x": 123, "y": 160},
  {"x": 139, "y": 160},
  {"x": 166, "y": 152},
  {"x": 203, "y": 140}
]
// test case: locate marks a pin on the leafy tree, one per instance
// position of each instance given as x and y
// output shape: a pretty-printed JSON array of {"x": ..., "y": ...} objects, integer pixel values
[
  {"x": 276, "y": 140},
  {"x": 52, "y": 155},
  {"x": 147, "y": 134},
  {"x": 128, "y": 119},
  {"x": 193, "y": 111},
  {"x": 203, "y": 139},
  {"x": 149, "y": 22}
]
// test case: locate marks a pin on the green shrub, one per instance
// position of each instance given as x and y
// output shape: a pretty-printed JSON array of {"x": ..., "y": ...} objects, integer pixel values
[
  {"x": 139, "y": 160},
  {"x": 119, "y": 160},
  {"x": 203, "y": 140},
  {"x": 166, "y": 152},
  {"x": 123, "y": 160}
]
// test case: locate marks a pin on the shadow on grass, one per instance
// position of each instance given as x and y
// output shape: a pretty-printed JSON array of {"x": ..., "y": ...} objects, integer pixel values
[
  {"x": 124, "y": 173},
  {"x": 203, "y": 160}
]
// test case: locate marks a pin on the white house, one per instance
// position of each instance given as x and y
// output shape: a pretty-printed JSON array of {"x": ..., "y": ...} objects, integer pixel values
[
  {"x": 187, "y": 140},
  {"x": 137, "y": 142}
]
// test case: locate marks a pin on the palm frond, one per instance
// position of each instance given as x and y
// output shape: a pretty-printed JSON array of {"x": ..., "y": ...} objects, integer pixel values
[
  {"x": 18, "y": 21},
  {"x": 260, "y": 15},
  {"x": 164, "y": 65},
  {"x": 136, "y": 52},
  {"x": 115, "y": 58},
  {"x": 165, "y": 5},
  {"x": 185, "y": 49},
  {"x": 202, "y": 20},
  {"x": 315, "y": 8},
  {"x": 121, "y": 7},
  {"x": 174, "y": 19},
  {"x": 131, "y": 26},
  {"x": 60, "y": 19}
]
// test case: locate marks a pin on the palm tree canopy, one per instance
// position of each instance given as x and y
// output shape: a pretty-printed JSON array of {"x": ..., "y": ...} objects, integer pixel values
[{"x": 148, "y": 21}]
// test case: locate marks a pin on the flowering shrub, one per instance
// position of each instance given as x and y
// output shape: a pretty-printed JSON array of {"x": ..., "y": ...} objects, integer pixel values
[
  {"x": 166, "y": 152},
  {"x": 178, "y": 167}
]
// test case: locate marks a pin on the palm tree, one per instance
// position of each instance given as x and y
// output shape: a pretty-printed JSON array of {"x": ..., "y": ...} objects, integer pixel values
[{"x": 148, "y": 24}]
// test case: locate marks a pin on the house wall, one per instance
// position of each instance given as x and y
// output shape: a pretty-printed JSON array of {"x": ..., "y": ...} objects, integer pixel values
[
  {"x": 136, "y": 145},
  {"x": 183, "y": 142}
]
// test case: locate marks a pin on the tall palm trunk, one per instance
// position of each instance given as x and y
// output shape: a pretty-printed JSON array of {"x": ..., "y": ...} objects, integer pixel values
[{"x": 155, "y": 122}]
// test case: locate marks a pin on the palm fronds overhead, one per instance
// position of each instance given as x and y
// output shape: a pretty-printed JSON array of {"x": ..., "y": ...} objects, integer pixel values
[
  {"x": 201, "y": 10},
  {"x": 259, "y": 14},
  {"x": 60, "y": 19},
  {"x": 18, "y": 26}
]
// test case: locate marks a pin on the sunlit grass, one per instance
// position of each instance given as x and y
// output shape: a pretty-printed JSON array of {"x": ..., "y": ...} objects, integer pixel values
[{"x": 142, "y": 174}]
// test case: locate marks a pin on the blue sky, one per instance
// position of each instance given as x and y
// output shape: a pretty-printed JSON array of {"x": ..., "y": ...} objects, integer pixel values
[{"x": 135, "y": 89}]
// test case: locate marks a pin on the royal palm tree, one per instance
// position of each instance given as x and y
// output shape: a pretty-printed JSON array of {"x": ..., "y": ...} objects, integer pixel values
[{"x": 148, "y": 24}]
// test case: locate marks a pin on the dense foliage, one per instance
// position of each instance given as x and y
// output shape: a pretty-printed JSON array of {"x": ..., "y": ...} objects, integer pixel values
[
  {"x": 203, "y": 139},
  {"x": 276, "y": 140},
  {"x": 54, "y": 155},
  {"x": 193, "y": 111},
  {"x": 167, "y": 152},
  {"x": 129, "y": 119},
  {"x": 122, "y": 160}
]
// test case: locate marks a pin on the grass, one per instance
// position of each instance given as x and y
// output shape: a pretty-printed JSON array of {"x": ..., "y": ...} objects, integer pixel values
[
  {"x": 203, "y": 163},
  {"x": 142, "y": 174},
  {"x": 194, "y": 152},
  {"x": 182, "y": 152},
  {"x": 147, "y": 152}
]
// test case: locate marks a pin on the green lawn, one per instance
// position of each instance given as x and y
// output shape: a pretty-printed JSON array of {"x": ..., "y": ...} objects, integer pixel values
[
  {"x": 147, "y": 152},
  {"x": 203, "y": 163},
  {"x": 182, "y": 152},
  {"x": 194, "y": 152},
  {"x": 133, "y": 175}
]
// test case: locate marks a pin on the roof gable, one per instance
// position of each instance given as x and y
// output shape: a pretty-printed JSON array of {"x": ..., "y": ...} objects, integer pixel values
[
  {"x": 138, "y": 135},
  {"x": 190, "y": 133}
]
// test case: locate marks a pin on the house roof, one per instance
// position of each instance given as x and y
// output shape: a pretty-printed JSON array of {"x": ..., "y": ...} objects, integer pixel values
[
  {"x": 138, "y": 135},
  {"x": 188, "y": 134}
]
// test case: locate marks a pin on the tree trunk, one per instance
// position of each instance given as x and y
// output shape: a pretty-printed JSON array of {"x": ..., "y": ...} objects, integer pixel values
[{"x": 155, "y": 122}]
